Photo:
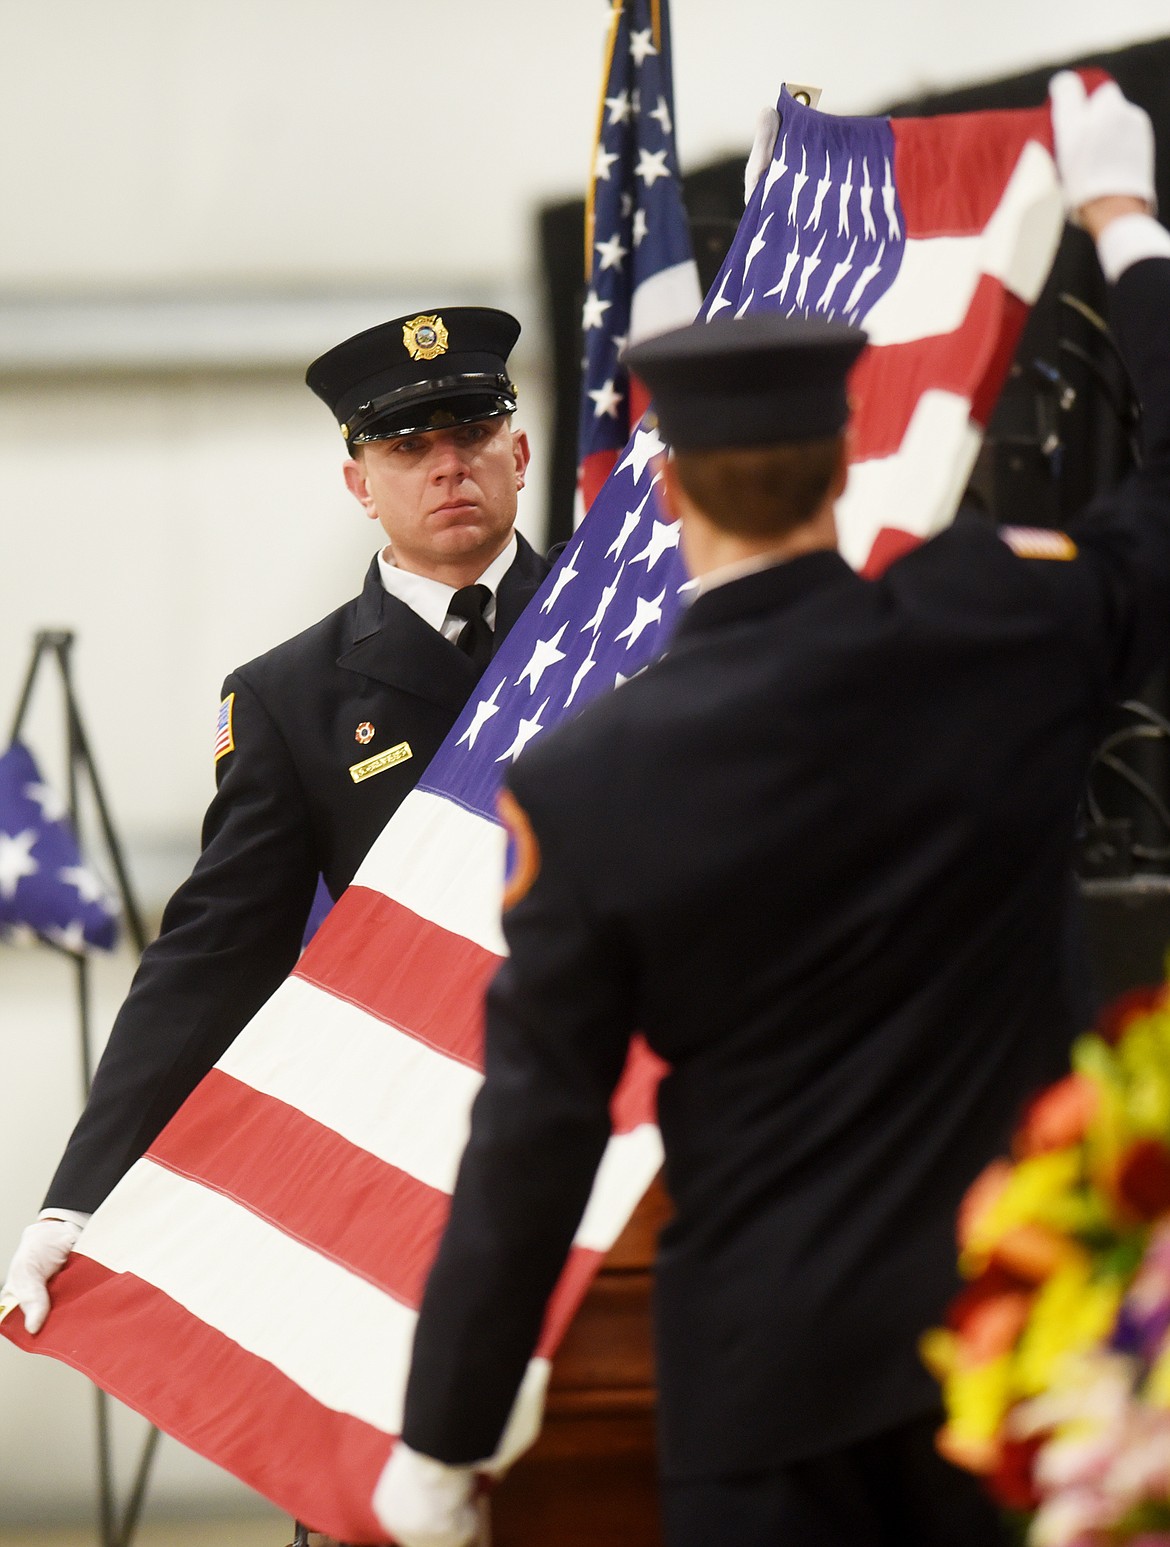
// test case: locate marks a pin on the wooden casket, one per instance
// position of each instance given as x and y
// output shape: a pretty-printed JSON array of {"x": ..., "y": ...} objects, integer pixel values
[{"x": 590, "y": 1477}]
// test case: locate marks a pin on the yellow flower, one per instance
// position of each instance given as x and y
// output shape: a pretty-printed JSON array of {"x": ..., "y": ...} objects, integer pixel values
[
  {"x": 1043, "y": 1189},
  {"x": 977, "y": 1400},
  {"x": 1071, "y": 1312}
]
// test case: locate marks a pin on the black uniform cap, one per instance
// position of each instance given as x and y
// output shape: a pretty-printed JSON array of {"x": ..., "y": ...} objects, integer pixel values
[
  {"x": 749, "y": 381},
  {"x": 422, "y": 372}
]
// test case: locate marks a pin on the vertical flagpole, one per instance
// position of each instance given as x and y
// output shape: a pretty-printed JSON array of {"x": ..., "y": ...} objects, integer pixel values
[{"x": 615, "y": 22}]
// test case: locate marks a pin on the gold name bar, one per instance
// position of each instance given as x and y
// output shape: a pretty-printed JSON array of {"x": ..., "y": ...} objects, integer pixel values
[{"x": 380, "y": 762}]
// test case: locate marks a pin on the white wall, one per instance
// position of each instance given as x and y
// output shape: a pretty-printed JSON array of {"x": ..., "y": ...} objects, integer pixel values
[
  {"x": 153, "y": 142},
  {"x": 194, "y": 200}
]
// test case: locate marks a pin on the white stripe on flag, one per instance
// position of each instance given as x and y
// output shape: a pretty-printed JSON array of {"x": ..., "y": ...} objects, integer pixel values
[
  {"x": 411, "y": 1105},
  {"x": 939, "y": 274},
  {"x": 344, "y": 1342},
  {"x": 668, "y": 299},
  {"x": 914, "y": 490},
  {"x": 444, "y": 863},
  {"x": 630, "y": 1163}
]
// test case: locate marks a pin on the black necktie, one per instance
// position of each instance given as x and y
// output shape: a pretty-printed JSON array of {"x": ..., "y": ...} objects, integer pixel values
[{"x": 475, "y": 637}]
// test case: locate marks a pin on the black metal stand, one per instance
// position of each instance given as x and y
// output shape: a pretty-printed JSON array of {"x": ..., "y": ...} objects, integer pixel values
[{"x": 57, "y": 644}]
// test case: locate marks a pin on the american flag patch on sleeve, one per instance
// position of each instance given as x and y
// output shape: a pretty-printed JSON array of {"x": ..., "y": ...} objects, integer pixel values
[
  {"x": 224, "y": 741},
  {"x": 1038, "y": 542}
]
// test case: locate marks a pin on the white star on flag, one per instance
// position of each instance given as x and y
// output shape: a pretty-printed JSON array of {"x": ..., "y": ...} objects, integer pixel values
[
  {"x": 84, "y": 882},
  {"x": 843, "y": 201},
  {"x": 890, "y": 205},
  {"x": 651, "y": 166},
  {"x": 619, "y": 108},
  {"x": 70, "y": 938},
  {"x": 798, "y": 183},
  {"x": 525, "y": 731},
  {"x": 645, "y": 613},
  {"x": 546, "y": 653},
  {"x": 662, "y": 114},
  {"x": 53, "y": 807},
  {"x": 602, "y": 162},
  {"x": 663, "y": 538},
  {"x": 868, "y": 225},
  {"x": 611, "y": 252},
  {"x": 756, "y": 246},
  {"x": 642, "y": 45},
  {"x": 483, "y": 713},
  {"x": 776, "y": 170},
  {"x": 561, "y": 580},
  {"x": 606, "y": 400},
  {"x": 781, "y": 288},
  {"x": 594, "y": 310},
  {"x": 823, "y": 186},
  {"x": 607, "y": 596},
  {"x": 629, "y": 525},
  {"x": 720, "y": 301},
  {"x": 641, "y": 228},
  {"x": 16, "y": 860},
  {"x": 647, "y": 444},
  {"x": 582, "y": 672}
]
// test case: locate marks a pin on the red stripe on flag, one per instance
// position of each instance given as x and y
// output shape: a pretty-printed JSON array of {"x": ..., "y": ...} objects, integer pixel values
[
  {"x": 573, "y": 1285},
  {"x": 373, "y": 952},
  {"x": 889, "y": 545},
  {"x": 887, "y": 382},
  {"x": 935, "y": 200},
  {"x": 309, "y": 1182},
  {"x": 213, "y": 1396},
  {"x": 636, "y": 1099},
  {"x": 593, "y": 472}
]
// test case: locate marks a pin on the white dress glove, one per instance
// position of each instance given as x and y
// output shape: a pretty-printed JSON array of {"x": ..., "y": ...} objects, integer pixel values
[
  {"x": 1104, "y": 144},
  {"x": 43, "y": 1250},
  {"x": 760, "y": 156},
  {"x": 426, "y": 1503}
]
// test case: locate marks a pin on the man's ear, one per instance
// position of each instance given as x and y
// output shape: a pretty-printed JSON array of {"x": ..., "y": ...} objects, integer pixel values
[
  {"x": 841, "y": 471},
  {"x": 522, "y": 454},
  {"x": 353, "y": 470},
  {"x": 670, "y": 492}
]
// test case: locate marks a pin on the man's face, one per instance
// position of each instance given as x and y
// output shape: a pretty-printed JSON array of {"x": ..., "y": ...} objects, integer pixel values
[{"x": 446, "y": 499}]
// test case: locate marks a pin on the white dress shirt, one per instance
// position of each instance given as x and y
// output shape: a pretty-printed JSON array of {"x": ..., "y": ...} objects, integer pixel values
[{"x": 431, "y": 599}]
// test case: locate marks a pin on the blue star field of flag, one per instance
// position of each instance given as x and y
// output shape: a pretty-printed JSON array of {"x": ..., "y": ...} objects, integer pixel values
[
  {"x": 603, "y": 614},
  {"x": 639, "y": 225},
  {"x": 46, "y": 889},
  {"x": 823, "y": 233}
]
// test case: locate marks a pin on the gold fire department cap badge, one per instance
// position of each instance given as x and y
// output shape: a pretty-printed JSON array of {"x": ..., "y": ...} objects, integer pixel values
[{"x": 425, "y": 337}]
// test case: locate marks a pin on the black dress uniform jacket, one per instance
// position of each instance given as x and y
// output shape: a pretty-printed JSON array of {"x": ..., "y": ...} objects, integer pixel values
[
  {"x": 820, "y": 854},
  {"x": 286, "y": 809}
]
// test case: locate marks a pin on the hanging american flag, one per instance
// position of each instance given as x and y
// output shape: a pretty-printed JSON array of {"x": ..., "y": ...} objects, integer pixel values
[
  {"x": 47, "y": 891},
  {"x": 251, "y": 1285},
  {"x": 642, "y": 278}
]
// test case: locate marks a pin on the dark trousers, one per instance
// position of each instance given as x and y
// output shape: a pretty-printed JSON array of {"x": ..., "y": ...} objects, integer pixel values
[{"x": 891, "y": 1490}]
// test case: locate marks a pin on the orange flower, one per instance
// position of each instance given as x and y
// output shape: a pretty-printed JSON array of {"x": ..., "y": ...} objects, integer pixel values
[
  {"x": 1035, "y": 1252},
  {"x": 1058, "y": 1117},
  {"x": 983, "y": 1193}
]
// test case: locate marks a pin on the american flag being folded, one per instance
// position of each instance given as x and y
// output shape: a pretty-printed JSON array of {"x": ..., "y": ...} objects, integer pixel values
[{"x": 251, "y": 1285}]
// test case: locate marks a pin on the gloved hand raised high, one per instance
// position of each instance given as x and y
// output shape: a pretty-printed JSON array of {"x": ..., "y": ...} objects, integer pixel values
[
  {"x": 43, "y": 1251},
  {"x": 1104, "y": 143},
  {"x": 760, "y": 155}
]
